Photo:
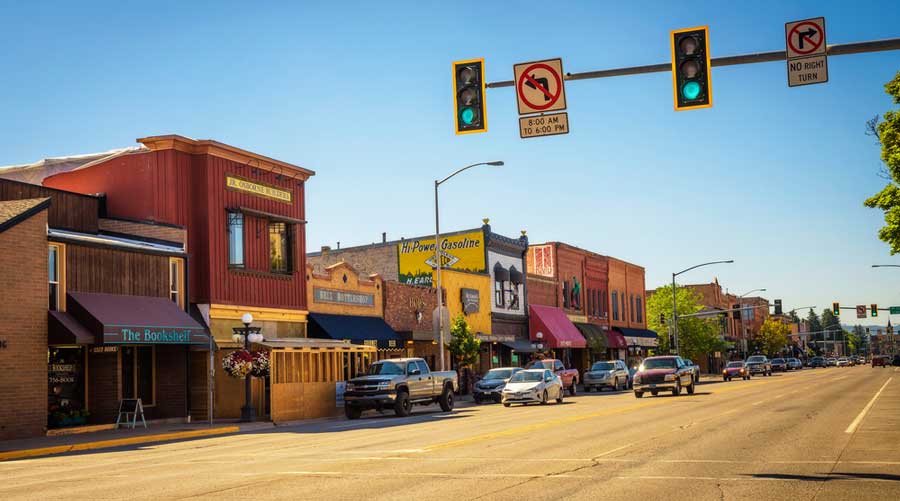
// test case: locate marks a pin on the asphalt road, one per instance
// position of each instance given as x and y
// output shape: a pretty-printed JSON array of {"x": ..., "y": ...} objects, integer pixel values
[{"x": 815, "y": 434}]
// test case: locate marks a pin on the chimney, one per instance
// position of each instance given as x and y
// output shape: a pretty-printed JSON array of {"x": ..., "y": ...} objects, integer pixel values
[
  {"x": 384, "y": 237},
  {"x": 325, "y": 250}
]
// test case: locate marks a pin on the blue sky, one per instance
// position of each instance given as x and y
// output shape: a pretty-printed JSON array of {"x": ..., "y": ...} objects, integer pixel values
[{"x": 361, "y": 93}]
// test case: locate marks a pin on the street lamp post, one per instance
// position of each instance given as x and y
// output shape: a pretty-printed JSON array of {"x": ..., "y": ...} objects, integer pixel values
[
  {"x": 741, "y": 301},
  {"x": 675, "y": 300},
  {"x": 248, "y": 335},
  {"x": 437, "y": 253}
]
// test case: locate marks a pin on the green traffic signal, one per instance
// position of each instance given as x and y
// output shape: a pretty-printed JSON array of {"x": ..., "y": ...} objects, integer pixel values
[
  {"x": 690, "y": 90},
  {"x": 691, "y": 82},
  {"x": 467, "y": 116},
  {"x": 468, "y": 88}
]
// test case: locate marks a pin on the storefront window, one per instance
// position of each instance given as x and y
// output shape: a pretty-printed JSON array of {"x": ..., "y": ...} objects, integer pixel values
[
  {"x": 236, "y": 239},
  {"x": 138, "y": 373},
  {"x": 65, "y": 395},
  {"x": 279, "y": 247}
]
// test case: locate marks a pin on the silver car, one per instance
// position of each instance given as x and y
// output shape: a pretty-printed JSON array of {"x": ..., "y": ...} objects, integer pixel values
[
  {"x": 533, "y": 385},
  {"x": 611, "y": 374}
]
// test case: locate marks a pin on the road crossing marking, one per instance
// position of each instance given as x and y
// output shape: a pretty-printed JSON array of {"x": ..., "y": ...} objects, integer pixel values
[{"x": 859, "y": 418}]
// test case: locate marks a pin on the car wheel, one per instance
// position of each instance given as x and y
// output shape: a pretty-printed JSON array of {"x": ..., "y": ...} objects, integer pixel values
[
  {"x": 572, "y": 390},
  {"x": 691, "y": 388},
  {"x": 654, "y": 393},
  {"x": 505, "y": 404},
  {"x": 402, "y": 407},
  {"x": 638, "y": 394},
  {"x": 352, "y": 412},
  {"x": 446, "y": 400},
  {"x": 477, "y": 398},
  {"x": 559, "y": 397},
  {"x": 544, "y": 398},
  {"x": 677, "y": 389},
  {"x": 725, "y": 379},
  {"x": 588, "y": 389}
]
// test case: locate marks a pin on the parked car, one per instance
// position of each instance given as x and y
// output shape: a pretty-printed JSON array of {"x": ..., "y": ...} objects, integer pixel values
[
  {"x": 695, "y": 368},
  {"x": 794, "y": 364},
  {"x": 612, "y": 374},
  {"x": 843, "y": 362},
  {"x": 759, "y": 364},
  {"x": 896, "y": 361},
  {"x": 569, "y": 377},
  {"x": 879, "y": 361},
  {"x": 735, "y": 369},
  {"x": 491, "y": 385},
  {"x": 399, "y": 384},
  {"x": 779, "y": 364},
  {"x": 663, "y": 373},
  {"x": 533, "y": 385},
  {"x": 831, "y": 361},
  {"x": 818, "y": 362}
]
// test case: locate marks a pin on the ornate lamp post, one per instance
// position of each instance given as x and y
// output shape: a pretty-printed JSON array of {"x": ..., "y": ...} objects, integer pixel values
[{"x": 248, "y": 335}]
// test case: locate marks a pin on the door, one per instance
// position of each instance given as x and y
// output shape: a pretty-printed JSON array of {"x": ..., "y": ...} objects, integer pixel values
[
  {"x": 560, "y": 371},
  {"x": 427, "y": 379}
]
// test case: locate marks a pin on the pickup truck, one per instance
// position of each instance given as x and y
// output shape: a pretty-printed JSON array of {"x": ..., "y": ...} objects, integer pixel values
[
  {"x": 663, "y": 373},
  {"x": 695, "y": 369},
  {"x": 569, "y": 377},
  {"x": 759, "y": 364},
  {"x": 399, "y": 384}
]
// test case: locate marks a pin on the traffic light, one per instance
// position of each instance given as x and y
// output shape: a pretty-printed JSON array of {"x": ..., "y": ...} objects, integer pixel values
[
  {"x": 778, "y": 310},
  {"x": 662, "y": 318},
  {"x": 874, "y": 309},
  {"x": 736, "y": 311},
  {"x": 691, "y": 81},
  {"x": 468, "y": 96},
  {"x": 836, "y": 309}
]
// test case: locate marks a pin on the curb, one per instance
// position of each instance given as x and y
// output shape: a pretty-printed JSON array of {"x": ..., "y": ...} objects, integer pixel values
[{"x": 117, "y": 442}]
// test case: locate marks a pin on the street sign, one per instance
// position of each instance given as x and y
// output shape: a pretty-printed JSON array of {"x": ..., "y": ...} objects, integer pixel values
[
  {"x": 544, "y": 125},
  {"x": 894, "y": 310},
  {"x": 540, "y": 86},
  {"x": 860, "y": 311},
  {"x": 807, "y": 62}
]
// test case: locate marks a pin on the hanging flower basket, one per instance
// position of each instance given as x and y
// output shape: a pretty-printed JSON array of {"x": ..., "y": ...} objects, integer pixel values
[
  {"x": 238, "y": 363},
  {"x": 260, "y": 364}
]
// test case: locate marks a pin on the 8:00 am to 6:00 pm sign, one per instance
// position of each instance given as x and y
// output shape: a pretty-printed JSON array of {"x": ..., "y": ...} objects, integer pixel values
[{"x": 544, "y": 125}]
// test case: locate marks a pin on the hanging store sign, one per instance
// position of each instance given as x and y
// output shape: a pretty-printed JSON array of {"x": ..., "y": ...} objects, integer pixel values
[
  {"x": 262, "y": 190},
  {"x": 470, "y": 300}
]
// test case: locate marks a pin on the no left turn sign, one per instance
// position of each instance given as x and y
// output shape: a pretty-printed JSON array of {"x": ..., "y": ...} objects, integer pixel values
[{"x": 540, "y": 86}]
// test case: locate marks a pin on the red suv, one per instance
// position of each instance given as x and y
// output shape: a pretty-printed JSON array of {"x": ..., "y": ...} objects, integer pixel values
[{"x": 666, "y": 373}]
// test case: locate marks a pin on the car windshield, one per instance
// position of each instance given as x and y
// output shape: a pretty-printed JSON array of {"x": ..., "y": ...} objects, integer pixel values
[
  {"x": 756, "y": 359},
  {"x": 498, "y": 374},
  {"x": 386, "y": 369},
  {"x": 526, "y": 377},
  {"x": 659, "y": 363},
  {"x": 602, "y": 366},
  {"x": 817, "y": 359},
  {"x": 540, "y": 364},
  {"x": 735, "y": 364},
  {"x": 777, "y": 360}
]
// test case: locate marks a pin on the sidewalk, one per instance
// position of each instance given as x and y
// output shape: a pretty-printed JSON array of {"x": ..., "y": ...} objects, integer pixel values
[{"x": 44, "y": 446}]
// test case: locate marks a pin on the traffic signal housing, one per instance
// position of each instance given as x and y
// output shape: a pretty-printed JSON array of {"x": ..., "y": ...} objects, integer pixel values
[
  {"x": 836, "y": 309},
  {"x": 691, "y": 80},
  {"x": 874, "y": 310},
  {"x": 778, "y": 310},
  {"x": 468, "y": 96}
]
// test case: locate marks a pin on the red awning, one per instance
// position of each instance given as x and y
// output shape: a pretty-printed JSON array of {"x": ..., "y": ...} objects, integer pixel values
[
  {"x": 615, "y": 339},
  {"x": 62, "y": 329},
  {"x": 558, "y": 331}
]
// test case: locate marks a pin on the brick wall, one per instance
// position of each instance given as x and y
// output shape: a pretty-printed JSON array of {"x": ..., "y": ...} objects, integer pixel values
[
  {"x": 344, "y": 278},
  {"x": 402, "y": 301},
  {"x": 381, "y": 259},
  {"x": 543, "y": 291},
  {"x": 146, "y": 230},
  {"x": 23, "y": 360}
]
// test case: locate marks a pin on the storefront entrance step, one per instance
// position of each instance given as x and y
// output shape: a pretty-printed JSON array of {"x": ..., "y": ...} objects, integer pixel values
[{"x": 20, "y": 449}]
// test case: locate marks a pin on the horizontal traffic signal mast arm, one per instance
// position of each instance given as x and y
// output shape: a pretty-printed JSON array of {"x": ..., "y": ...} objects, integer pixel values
[{"x": 760, "y": 57}]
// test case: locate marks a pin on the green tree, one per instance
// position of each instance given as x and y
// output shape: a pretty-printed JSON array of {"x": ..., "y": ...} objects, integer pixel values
[
  {"x": 887, "y": 133},
  {"x": 697, "y": 336},
  {"x": 464, "y": 346},
  {"x": 772, "y": 336},
  {"x": 862, "y": 339}
]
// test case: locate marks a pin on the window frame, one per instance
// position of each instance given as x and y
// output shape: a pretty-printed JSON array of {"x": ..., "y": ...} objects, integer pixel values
[
  {"x": 60, "y": 276},
  {"x": 229, "y": 214},
  {"x": 499, "y": 294},
  {"x": 176, "y": 264},
  {"x": 640, "y": 310},
  {"x": 615, "y": 305},
  {"x": 288, "y": 244}
]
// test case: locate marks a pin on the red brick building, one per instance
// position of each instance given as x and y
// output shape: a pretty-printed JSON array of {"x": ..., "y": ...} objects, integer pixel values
[
  {"x": 409, "y": 310},
  {"x": 602, "y": 295}
]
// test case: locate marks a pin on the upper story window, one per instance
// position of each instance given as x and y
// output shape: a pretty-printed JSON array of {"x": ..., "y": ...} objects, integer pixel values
[
  {"x": 235, "y": 239},
  {"x": 640, "y": 310},
  {"x": 279, "y": 247},
  {"x": 615, "y": 305},
  {"x": 176, "y": 281},
  {"x": 632, "y": 308},
  {"x": 56, "y": 271}
]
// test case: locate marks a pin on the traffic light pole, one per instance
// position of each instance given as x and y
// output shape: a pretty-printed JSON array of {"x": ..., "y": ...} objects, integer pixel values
[{"x": 760, "y": 57}]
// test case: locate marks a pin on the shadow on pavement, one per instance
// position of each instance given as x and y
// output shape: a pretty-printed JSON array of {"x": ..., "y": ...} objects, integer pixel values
[{"x": 829, "y": 476}]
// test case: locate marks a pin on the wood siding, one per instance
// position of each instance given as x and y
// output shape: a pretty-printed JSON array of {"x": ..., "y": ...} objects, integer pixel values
[
  {"x": 69, "y": 211},
  {"x": 113, "y": 271},
  {"x": 178, "y": 188}
]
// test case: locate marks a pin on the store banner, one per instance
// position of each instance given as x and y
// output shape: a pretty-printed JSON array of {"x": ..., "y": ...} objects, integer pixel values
[{"x": 462, "y": 252}]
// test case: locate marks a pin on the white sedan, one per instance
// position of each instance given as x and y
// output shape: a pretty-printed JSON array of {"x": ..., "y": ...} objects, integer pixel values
[{"x": 533, "y": 385}]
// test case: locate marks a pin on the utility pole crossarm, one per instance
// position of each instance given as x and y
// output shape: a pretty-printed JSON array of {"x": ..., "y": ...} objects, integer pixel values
[{"x": 759, "y": 57}]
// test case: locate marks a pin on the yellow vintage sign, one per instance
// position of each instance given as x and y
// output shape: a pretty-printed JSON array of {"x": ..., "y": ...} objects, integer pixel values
[
  {"x": 463, "y": 252},
  {"x": 262, "y": 190}
]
